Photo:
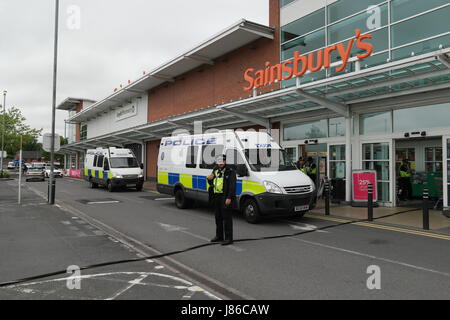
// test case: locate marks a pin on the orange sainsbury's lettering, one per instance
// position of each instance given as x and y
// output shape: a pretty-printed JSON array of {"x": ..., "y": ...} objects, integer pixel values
[{"x": 313, "y": 62}]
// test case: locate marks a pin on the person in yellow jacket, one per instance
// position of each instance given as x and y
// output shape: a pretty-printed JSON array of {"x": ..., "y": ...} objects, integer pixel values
[
  {"x": 404, "y": 181},
  {"x": 222, "y": 183},
  {"x": 311, "y": 169}
]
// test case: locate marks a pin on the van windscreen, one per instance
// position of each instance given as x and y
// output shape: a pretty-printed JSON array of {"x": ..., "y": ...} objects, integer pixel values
[
  {"x": 268, "y": 160},
  {"x": 123, "y": 163}
]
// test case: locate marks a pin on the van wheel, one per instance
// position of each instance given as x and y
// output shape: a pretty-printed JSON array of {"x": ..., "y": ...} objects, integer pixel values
[
  {"x": 109, "y": 186},
  {"x": 251, "y": 211},
  {"x": 181, "y": 201},
  {"x": 139, "y": 188},
  {"x": 93, "y": 185}
]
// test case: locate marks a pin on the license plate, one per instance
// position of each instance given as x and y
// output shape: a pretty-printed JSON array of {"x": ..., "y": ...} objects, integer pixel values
[{"x": 301, "y": 208}]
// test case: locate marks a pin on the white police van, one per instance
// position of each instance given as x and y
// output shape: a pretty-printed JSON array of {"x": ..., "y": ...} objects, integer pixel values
[
  {"x": 267, "y": 185},
  {"x": 113, "y": 168}
]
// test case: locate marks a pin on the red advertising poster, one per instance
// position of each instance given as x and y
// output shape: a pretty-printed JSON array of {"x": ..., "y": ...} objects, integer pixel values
[
  {"x": 75, "y": 173},
  {"x": 361, "y": 181}
]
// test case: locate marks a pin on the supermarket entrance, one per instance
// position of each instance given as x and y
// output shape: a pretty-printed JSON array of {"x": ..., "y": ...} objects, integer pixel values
[{"x": 423, "y": 158}]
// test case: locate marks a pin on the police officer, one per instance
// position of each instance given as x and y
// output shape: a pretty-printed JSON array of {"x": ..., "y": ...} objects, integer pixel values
[
  {"x": 404, "y": 181},
  {"x": 222, "y": 181},
  {"x": 301, "y": 165},
  {"x": 311, "y": 169}
]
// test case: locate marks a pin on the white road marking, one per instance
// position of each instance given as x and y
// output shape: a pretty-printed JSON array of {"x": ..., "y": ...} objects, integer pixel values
[
  {"x": 306, "y": 227},
  {"x": 371, "y": 257},
  {"x": 164, "y": 199},
  {"x": 103, "y": 202},
  {"x": 138, "y": 281},
  {"x": 132, "y": 284}
]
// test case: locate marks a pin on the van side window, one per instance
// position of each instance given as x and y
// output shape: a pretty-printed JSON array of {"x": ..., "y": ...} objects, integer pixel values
[
  {"x": 100, "y": 161},
  {"x": 209, "y": 154},
  {"x": 234, "y": 158},
  {"x": 94, "y": 164},
  {"x": 191, "y": 157},
  {"x": 106, "y": 165}
]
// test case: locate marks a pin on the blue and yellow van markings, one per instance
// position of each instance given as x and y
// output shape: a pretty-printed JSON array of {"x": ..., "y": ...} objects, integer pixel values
[{"x": 200, "y": 183}]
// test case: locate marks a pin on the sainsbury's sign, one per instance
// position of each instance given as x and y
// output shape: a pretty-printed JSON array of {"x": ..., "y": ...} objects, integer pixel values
[{"x": 313, "y": 62}]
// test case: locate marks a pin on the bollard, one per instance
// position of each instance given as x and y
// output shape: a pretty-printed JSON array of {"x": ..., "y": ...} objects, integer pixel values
[
  {"x": 53, "y": 186},
  {"x": 426, "y": 214},
  {"x": 327, "y": 197},
  {"x": 370, "y": 202}
]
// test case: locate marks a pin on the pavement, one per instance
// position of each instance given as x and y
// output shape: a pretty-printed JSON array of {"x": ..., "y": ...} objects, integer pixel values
[
  {"x": 36, "y": 239},
  {"x": 318, "y": 257}
]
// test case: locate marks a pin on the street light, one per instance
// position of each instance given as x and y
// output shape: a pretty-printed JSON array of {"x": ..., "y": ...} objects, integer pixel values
[
  {"x": 3, "y": 132},
  {"x": 51, "y": 189}
]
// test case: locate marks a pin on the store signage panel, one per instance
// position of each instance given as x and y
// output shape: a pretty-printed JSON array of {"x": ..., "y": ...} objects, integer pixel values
[
  {"x": 361, "y": 180},
  {"x": 126, "y": 112},
  {"x": 313, "y": 62}
]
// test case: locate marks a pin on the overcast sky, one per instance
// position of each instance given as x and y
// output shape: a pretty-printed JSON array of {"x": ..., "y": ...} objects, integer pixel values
[{"x": 116, "y": 41}]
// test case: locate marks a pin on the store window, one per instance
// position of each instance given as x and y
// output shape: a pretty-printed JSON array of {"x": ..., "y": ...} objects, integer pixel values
[
  {"x": 421, "y": 27},
  {"x": 375, "y": 123},
  {"x": 305, "y": 130},
  {"x": 344, "y": 8},
  {"x": 336, "y": 127},
  {"x": 346, "y": 28},
  {"x": 376, "y": 157},
  {"x": 337, "y": 162},
  {"x": 418, "y": 118},
  {"x": 402, "y": 9},
  {"x": 311, "y": 22},
  {"x": 285, "y": 2},
  {"x": 421, "y": 47},
  {"x": 304, "y": 44},
  {"x": 433, "y": 159},
  {"x": 83, "y": 132}
]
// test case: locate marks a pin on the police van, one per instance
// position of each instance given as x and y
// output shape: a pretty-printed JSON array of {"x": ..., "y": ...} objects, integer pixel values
[
  {"x": 268, "y": 184},
  {"x": 113, "y": 168}
]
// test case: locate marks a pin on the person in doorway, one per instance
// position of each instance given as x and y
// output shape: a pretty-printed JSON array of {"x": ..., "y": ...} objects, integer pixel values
[
  {"x": 311, "y": 169},
  {"x": 301, "y": 165},
  {"x": 222, "y": 181},
  {"x": 404, "y": 181}
]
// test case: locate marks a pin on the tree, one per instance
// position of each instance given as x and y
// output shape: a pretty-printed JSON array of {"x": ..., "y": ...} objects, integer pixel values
[{"x": 15, "y": 127}]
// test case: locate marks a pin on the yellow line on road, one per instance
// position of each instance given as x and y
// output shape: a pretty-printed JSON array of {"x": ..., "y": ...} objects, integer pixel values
[{"x": 384, "y": 227}]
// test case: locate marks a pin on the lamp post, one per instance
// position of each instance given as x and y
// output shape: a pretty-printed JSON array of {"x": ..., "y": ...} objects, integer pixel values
[
  {"x": 51, "y": 189},
  {"x": 3, "y": 132}
]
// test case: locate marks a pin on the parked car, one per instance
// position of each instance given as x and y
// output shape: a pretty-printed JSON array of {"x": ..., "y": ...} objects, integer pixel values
[
  {"x": 11, "y": 165},
  {"x": 35, "y": 174},
  {"x": 57, "y": 173}
]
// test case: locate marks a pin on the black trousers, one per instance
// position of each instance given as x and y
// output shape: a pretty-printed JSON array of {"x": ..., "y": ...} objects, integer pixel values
[
  {"x": 224, "y": 220},
  {"x": 406, "y": 187}
]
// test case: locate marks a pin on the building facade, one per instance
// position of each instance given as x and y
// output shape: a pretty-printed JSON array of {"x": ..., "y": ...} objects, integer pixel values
[{"x": 353, "y": 84}]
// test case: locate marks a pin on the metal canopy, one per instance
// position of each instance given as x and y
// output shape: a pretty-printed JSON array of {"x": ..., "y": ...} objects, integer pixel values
[
  {"x": 230, "y": 39},
  {"x": 424, "y": 73}
]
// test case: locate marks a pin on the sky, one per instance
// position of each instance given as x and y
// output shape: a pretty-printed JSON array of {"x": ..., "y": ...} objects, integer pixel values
[{"x": 102, "y": 44}]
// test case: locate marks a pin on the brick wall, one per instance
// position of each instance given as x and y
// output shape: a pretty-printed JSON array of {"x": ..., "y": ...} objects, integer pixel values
[{"x": 212, "y": 85}]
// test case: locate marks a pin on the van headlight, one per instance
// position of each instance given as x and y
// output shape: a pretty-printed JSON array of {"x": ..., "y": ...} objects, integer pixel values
[
  {"x": 140, "y": 176},
  {"x": 118, "y": 176},
  {"x": 272, "y": 187}
]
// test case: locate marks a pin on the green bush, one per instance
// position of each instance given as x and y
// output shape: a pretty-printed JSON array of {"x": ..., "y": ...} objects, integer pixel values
[{"x": 4, "y": 174}]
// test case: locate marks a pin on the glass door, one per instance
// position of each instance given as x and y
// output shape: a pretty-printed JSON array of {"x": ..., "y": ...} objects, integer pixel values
[
  {"x": 446, "y": 170},
  {"x": 377, "y": 156}
]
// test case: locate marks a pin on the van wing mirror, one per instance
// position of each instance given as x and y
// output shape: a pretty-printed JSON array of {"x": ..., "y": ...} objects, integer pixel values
[
  {"x": 141, "y": 166},
  {"x": 241, "y": 170}
]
